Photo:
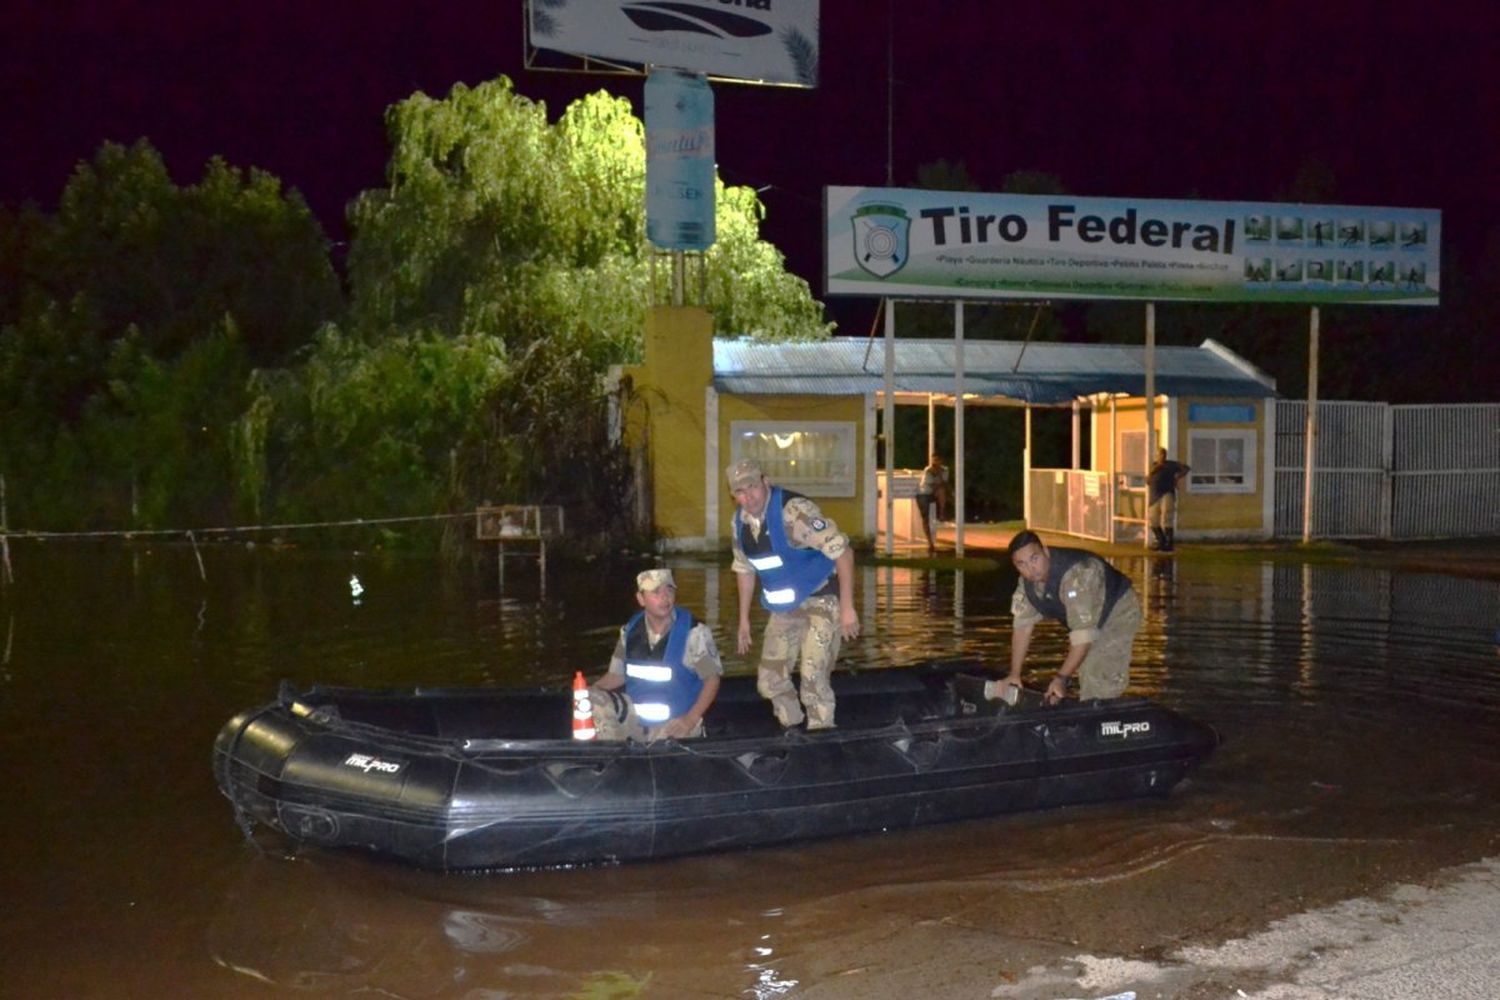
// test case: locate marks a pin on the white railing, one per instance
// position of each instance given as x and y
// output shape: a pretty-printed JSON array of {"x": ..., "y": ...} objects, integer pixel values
[{"x": 1072, "y": 501}]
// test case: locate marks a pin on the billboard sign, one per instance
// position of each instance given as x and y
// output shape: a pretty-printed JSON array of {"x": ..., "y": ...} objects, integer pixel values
[
  {"x": 961, "y": 244},
  {"x": 768, "y": 41},
  {"x": 679, "y": 160}
]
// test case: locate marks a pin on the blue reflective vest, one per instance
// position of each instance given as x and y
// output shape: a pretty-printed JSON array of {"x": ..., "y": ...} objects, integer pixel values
[
  {"x": 788, "y": 575},
  {"x": 660, "y": 684}
]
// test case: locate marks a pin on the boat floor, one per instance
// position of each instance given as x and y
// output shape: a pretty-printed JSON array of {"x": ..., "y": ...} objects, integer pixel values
[{"x": 868, "y": 700}]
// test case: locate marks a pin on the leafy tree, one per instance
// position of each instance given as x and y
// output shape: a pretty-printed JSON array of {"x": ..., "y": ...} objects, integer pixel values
[
  {"x": 497, "y": 222},
  {"x": 172, "y": 262},
  {"x": 493, "y": 281},
  {"x": 128, "y": 334}
]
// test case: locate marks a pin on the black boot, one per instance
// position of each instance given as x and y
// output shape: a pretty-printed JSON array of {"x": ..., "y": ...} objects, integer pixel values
[
  {"x": 1161, "y": 539},
  {"x": 1168, "y": 541}
]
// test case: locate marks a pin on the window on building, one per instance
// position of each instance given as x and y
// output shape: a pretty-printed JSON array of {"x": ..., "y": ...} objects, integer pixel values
[
  {"x": 812, "y": 457},
  {"x": 1221, "y": 461}
]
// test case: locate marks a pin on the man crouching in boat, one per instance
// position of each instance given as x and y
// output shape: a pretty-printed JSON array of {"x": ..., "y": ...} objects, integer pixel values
[
  {"x": 1088, "y": 595},
  {"x": 667, "y": 664}
]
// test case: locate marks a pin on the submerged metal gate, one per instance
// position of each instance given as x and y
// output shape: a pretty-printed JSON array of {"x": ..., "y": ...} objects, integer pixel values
[{"x": 1386, "y": 471}]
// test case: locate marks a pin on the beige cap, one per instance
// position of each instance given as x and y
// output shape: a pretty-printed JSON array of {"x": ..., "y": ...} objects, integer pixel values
[
  {"x": 648, "y": 580},
  {"x": 745, "y": 472}
]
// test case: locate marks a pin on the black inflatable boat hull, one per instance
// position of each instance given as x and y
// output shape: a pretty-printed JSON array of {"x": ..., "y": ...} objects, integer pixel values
[{"x": 430, "y": 777}]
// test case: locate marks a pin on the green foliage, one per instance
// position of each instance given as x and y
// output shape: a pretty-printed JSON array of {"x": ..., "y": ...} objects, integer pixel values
[
  {"x": 497, "y": 222},
  {"x": 493, "y": 282},
  {"x": 174, "y": 356},
  {"x": 748, "y": 287},
  {"x": 131, "y": 318},
  {"x": 142, "y": 441},
  {"x": 422, "y": 423},
  {"x": 172, "y": 261}
]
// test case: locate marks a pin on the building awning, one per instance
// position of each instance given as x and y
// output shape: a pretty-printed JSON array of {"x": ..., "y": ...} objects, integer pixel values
[{"x": 1045, "y": 374}]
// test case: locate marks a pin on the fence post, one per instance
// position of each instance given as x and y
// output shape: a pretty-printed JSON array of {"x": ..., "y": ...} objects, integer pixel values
[
  {"x": 1310, "y": 454},
  {"x": 1388, "y": 478}
]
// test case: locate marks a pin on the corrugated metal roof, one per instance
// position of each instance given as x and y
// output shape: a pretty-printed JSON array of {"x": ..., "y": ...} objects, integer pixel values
[{"x": 1048, "y": 373}]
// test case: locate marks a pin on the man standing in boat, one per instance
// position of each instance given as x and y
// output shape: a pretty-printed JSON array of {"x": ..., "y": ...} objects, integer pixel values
[
  {"x": 667, "y": 665},
  {"x": 1093, "y": 599},
  {"x": 806, "y": 572}
]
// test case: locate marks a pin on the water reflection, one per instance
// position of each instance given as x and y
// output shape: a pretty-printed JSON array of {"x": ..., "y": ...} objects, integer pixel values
[{"x": 1357, "y": 706}]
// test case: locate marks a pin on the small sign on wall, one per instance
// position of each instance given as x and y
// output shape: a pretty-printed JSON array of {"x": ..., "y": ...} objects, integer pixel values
[{"x": 1220, "y": 413}]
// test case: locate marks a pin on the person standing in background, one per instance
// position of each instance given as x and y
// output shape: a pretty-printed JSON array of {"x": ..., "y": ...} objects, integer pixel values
[
  {"x": 1161, "y": 485},
  {"x": 932, "y": 492}
]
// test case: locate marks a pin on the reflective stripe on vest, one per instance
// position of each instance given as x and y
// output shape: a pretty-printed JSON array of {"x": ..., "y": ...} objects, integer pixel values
[
  {"x": 648, "y": 672},
  {"x": 780, "y": 598},
  {"x": 766, "y": 562},
  {"x": 653, "y": 711}
]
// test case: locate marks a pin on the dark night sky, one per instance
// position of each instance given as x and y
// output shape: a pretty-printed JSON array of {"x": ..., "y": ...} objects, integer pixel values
[{"x": 1164, "y": 99}]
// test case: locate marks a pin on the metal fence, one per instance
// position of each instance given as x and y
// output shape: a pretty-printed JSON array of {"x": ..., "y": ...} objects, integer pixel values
[
  {"x": 1073, "y": 501},
  {"x": 1383, "y": 471}
]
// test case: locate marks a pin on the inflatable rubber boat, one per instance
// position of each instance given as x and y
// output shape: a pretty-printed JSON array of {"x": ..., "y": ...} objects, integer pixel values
[{"x": 484, "y": 778}]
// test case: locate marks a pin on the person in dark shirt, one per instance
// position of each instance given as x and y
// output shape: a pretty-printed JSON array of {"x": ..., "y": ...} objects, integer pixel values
[{"x": 1161, "y": 485}]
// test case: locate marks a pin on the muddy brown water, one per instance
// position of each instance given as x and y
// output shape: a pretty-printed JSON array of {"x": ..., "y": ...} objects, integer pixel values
[{"x": 1359, "y": 710}]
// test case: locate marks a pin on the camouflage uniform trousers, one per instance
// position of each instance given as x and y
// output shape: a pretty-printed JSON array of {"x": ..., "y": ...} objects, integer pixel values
[
  {"x": 615, "y": 719},
  {"x": 809, "y": 632},
  {"x": 1106, "y": 668}
]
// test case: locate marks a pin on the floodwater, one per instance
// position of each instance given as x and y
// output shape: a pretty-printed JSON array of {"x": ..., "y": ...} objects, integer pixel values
[{"x": 1358, "y": 707}]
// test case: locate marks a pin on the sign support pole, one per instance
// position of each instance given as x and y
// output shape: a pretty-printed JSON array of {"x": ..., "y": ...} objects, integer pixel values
[
  {"x": 1150, "y": 414},
  {"x": 958, "y": 428},
  {"x": 889, "y": 425}
]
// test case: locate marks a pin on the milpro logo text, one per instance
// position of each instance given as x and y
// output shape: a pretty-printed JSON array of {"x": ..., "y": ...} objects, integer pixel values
[
  {"x": 1123, "y": 730},
  {"x": 366, "y": 763},
  {"x": 664, "y": 15}
]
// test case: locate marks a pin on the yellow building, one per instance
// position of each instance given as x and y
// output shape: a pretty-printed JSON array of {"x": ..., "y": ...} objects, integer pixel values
[{"x": 810, "y": 413}]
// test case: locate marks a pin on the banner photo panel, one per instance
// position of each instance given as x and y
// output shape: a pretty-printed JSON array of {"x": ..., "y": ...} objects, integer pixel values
[
  {"x": 962, "y": 244},
  {"x": 758, "y": 41}
]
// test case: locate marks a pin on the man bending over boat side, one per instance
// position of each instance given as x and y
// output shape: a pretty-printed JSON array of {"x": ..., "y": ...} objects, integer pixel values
[
  {"x": 806, "y": 572},
  {"x": 1093, "y": 599},
  {"x": 664, "y": 672}
]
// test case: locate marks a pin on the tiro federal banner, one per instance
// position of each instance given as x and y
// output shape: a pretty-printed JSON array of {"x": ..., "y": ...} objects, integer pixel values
[
  {"x": 770, "y": 41},
  {"x": 960, "y": 244}
]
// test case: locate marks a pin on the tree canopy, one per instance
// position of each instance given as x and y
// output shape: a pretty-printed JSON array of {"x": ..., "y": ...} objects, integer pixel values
[
  {"x": 132, "y": 318},
  {"x": 174, "y": 355},
  {"x": 493, "y": 280}
]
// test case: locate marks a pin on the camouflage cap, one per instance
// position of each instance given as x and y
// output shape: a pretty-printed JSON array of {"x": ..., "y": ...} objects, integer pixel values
[
  {"x": 648, "y": 580},
  {"x": 745, "y": 472}
]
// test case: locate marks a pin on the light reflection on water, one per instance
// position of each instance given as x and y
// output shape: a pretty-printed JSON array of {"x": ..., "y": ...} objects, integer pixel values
[{"x": 1338, "y": 690}]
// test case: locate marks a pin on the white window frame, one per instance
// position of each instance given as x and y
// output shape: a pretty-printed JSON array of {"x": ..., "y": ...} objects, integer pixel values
[
  {"x": 1202, "y": 480},
  {"x": 838, "y": 481}
]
